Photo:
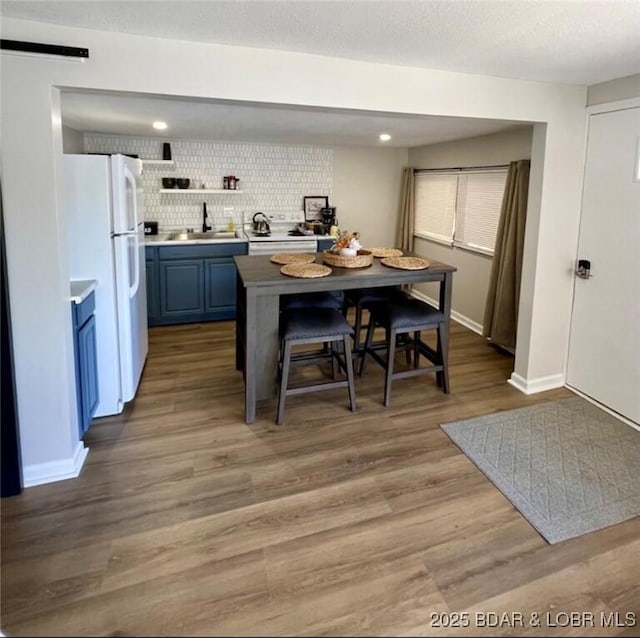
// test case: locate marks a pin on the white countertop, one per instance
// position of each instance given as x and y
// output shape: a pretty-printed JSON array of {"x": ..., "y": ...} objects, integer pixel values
[{"x": 81, "y": 289}]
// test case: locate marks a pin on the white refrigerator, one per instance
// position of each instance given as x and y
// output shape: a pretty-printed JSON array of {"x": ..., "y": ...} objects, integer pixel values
[{"x": 104, "y": 210}]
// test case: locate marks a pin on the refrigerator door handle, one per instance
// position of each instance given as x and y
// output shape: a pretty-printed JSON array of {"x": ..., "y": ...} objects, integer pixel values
[
  {"x": 133, "y": 200},
  {"x": 136, "y": 267}
]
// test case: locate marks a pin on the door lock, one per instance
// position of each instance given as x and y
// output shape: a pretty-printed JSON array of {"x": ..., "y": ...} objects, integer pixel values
[{"x": 584, "y": 269}]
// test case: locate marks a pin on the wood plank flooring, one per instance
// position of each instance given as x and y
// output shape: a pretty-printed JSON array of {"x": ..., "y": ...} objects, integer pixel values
[{"x": 187, "y": 522}]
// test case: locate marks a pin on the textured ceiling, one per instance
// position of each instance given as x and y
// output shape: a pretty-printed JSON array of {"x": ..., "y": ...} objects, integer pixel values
[
  {"x": 575, "y": 41},
  {"x": 570, "y": 41}
]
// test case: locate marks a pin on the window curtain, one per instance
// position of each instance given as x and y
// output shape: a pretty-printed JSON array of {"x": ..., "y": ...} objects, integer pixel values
[
  {"x": 501, "y": 309},
  {"x": 406, "y": 213}
]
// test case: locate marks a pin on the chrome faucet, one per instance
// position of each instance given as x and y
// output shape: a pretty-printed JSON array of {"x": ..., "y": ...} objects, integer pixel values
[{"x": 205, "y": 225}]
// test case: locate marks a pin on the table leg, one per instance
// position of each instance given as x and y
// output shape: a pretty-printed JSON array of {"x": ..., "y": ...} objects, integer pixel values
[
  {"x": 446, "y": 286},
  {"x": 241, "y": 306},
  {"x": 443, "y": 333},
  {"x": 261, "y": 349}
]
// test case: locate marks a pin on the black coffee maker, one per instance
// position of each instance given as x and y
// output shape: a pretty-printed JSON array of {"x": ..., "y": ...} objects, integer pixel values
[{"x": 328, "y": 216}]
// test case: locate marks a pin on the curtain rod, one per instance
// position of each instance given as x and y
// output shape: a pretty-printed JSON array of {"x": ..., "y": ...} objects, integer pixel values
[{"x": 460, "y": 168}]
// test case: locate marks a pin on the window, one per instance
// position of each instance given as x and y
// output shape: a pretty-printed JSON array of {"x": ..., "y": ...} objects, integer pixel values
[{"x": 460, "y": 207}]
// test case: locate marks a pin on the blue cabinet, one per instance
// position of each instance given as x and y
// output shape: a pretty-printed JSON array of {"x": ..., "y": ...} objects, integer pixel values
[
  {"x": 220, "y": 286},
  {"x": 192, "y": 283},
  {"x": 324, "y": 243},
  {"x": 85, "y": 350},
  {"x": 181, "y": 288}
]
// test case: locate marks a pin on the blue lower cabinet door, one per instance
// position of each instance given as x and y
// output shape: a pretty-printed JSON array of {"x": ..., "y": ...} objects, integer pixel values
[
  {"x": 181, "y": 287},
  {"x": 88, "y": 362},
  {"x": 220, "y": 283}
]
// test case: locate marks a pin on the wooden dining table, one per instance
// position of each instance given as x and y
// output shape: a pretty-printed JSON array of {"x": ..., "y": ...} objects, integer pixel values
[{"x": 259, "y": 285}]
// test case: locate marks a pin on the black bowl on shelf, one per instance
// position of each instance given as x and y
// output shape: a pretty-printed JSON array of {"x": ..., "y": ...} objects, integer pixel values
[
  {"x": 183, "y": 182},
  {"x": 168, "y": 182}
]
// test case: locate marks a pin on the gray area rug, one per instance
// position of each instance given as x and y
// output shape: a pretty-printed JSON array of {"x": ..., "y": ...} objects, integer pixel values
[{"x": 569, "y": 467}]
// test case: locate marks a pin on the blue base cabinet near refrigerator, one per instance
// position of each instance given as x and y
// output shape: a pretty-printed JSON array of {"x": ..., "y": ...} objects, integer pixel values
[
  {"x": 84, "y": 342},
  {"x": 192, "y": 283},
  {"x": 181, "y": 288}
]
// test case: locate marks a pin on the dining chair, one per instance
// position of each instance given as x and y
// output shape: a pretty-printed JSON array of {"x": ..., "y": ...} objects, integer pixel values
[
  {"x": 328, "y": 299},
  {"x": 309, "y": 326},
  {"x": 360, "y": 299},
  {"x": 403, "y": 317}
]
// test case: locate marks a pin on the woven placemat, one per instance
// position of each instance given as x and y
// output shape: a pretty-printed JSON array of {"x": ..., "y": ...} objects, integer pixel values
[
  {"x": 406, "y": 263},
  {"x": 307, "y": 271},
  {"x": 386, "y": 252},
  {"x": 292, "y": 258}
]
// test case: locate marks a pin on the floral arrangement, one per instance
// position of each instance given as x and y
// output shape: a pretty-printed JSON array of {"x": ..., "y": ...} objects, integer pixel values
[{"x": 346, "y": 239}]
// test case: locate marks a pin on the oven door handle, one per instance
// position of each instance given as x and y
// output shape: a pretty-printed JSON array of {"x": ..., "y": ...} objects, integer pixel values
[{"x": 272, "y": 247}]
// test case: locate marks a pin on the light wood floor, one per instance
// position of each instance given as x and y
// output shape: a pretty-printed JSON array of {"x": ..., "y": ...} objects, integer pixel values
[{"x": 186, "y": 521}]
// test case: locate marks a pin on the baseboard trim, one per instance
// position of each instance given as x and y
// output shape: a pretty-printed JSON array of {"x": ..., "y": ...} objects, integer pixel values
[
  {"x": 456, "y": 316},
  {"x": 41, "y": 473},
  {"x": 525, "y": 386},
  {"x": 533, "y": 386}
]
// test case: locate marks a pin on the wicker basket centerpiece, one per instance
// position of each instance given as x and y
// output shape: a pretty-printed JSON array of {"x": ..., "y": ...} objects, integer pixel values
[
  {"x": 347, "y": 252},
  {"x": 362, "y": 259}
]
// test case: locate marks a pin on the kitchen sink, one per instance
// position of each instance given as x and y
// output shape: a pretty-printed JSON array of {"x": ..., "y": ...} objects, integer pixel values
[{"x": 184, "y": 236}]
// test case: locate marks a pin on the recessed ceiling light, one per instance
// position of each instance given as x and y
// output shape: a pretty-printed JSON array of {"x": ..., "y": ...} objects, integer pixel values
[
  {"x": 384, "y": 137},
  {"x": 159, "y": 126}
]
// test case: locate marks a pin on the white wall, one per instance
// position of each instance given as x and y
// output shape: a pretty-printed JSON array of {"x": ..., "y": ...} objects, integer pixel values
[
  {"x": 38, "y": 276},
  {"x": 614, "y": 90},
  {"x": 366, "y": 190},
  {"x": 72, "y": 141},
  {"x": 32, "y": 151},
  {"x": 483, "y": 150},
  {"x": 363, "y": 183},
  {"x": 472, "y": 278},
  {"x": 274, "y": 178}
]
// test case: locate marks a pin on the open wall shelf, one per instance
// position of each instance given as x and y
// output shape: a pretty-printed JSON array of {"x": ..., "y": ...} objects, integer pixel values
[
  {"x": 152, "y": 162},
  {"x": 201, "y": 191}
]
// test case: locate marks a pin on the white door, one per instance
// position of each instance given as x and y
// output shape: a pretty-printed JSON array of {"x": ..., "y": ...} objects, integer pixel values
[{"x": 604, "y": 351}]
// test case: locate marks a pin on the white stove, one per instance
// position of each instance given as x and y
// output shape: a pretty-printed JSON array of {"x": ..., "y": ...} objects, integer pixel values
[{"x": 279, "y": 240}]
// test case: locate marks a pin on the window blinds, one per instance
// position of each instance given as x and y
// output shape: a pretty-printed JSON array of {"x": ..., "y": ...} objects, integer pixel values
[
  {"x": 435, "y": 205},
  {"x": 460, "y": 208},
  {"x": 478, "y": 209}
]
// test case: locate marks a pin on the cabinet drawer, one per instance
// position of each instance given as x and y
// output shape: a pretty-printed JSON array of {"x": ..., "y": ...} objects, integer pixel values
[
  {"x": 83, "y": 310},
  {"x": 196, "y": 251}
]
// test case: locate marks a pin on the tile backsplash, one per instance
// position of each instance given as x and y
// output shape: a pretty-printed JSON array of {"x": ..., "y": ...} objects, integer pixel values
[{"x": 273, "y": 178}]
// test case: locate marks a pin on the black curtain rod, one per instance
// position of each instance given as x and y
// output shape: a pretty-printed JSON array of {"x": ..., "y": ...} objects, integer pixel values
[
  {"x": 44, "y": 49},
  {"x": 460, "y": 168}
]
